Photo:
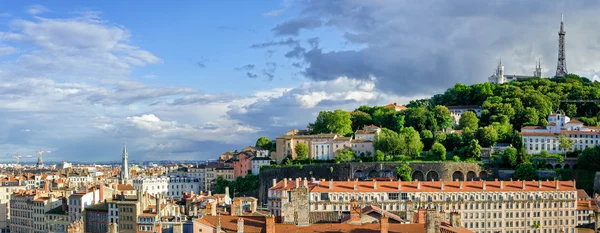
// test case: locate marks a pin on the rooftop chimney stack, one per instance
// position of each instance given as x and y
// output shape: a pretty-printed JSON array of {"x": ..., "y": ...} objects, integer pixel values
[
  {"x": 285, "y": 182},
  {"x": 574, "y": 184},
  {"x": 524, "y": 185},
  {"x": 330, "y": 184},
  {"x": 240, "y": 225},
  {"x": 460, "y": 185},
  {"x": 418, "y": 184},
  {"x": 297, "y": 182},
  {"x": 384, "y": 224},
  {"x": 557, "y": 184},
  {"x": 274, "y": 182},
  {"x": 374, "y": 184},
  {"x": 442, "y": 184},
  {"x": 483, "y": 184},
  {"x": 501, "y": 184},
  {"x": 399, "y": 185},
  {"x": 540, "y": 184}
]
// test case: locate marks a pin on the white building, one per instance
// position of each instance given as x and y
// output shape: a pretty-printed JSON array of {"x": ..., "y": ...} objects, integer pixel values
[
  {"x": 483, "y": 206},
  {"x": 538, "y": 138},
  {"x": 151, "y": 184},
  {"x": 82, "y": 199},
  {"x": 182, "y": 184},
  {"x": 499, "y": 77},
  {"x": 257, "y": 162},
  {"x": 7, "y": 188},
  {"x": 368, "y": 132}
]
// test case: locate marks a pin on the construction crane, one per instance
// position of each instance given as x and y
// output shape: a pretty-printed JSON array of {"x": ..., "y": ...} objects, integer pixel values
[
  {"x": 17, "y": 157},
  {"x": 40, "y": 163}
]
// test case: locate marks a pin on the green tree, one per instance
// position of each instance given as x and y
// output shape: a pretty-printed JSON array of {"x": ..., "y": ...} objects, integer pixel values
[
  {"x": 410, "y": 142},
  {"x": 442, "y": 117},
  {"x": 571, "y": 110},
  {"x": 338, "y": 121},
  {"x": 468, "y": 120},
  {"x": 590, "y": 159},
  {"x": 301, "y": 150},
  {"x": 416, "y": 118},
  {"x": 264, "y": 143},
  {"x": 379, "y": 156},
  {"x": 220, "y": 184},
  {"x": 564, "y": 143},
  {"x": 438, "y": 151},
  {"x": 344, "y": 155},
  {"x": 529, "y": 116},
  {"x": 472, "y": 150},
  {"x": 360, "y": 119},
  {"x": 453, "y": 140},
  {"x": 427, "y": 138},
  {"x": 403, "y": 172},
  {"x": 510, "y": 156},
  {"x": 525, "y": 171},
  {"x": 387, "y": 141},
  {"x": 487, "y": 136}
]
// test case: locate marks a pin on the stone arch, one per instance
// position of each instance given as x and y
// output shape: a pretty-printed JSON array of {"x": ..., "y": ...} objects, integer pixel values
[
  {"x": 549, "y": 166},
  {"x": 567, "y": 166},
  {"x": 373, "y": 174},
  {"x": 418, "y": 175},
  {"x": 558, "y": 166},
  {"x": 388, "y": 173},
  {"x": 458, "y": 175},
  {"x": 433, "y": 175},
  {"x": 359, "y": 174},
  {"x": 483, "y": 175},
  {"x": 471, "y": 175}
]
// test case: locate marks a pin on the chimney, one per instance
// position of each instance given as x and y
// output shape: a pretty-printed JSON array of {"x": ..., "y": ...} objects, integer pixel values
[
  {"x": 540, "y": 184},
  {"x": 574, "y": 184},
  {"x": 355, "y": 211},
  {"x": 460, "y": 184},
  {"x": 227, "y": 191},
  {"x": 483, "y": 184},
  {"x": 418, "y": 184},
  {"x": 274, "y": 182},
  {"x": 399, "y": 185},
  {"x": 240, "y": 225},
  {"x": 430, "y": 216},
  {"x": 158, "y": 206},
  {"x": 442, "y": 184},
  {"x": 285, "y": 182},
  {"x": 331, "y": 184},
  {"x": 312, "y": 179},
  {"x": 455, "y": 220},
  {"x": 557, "y": 184},
  {"x": 297, "y": 182},
  {"x": 374, "y": 184},
  {"x": 356, "y": 184},
  {"x": 209, "y": 193},
  {"x": 270, "y": 224},
  {"x": 101, "y": 192},
  {"x": 383, "y": 224},
  {"x": 501, "y": 184},
  {"x": 305, "y": 182},
  {"x": 524, "y": 185}
]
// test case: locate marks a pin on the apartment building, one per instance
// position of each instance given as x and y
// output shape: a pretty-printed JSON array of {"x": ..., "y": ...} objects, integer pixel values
[
  {"x": 228, "y": 173},
  {"x": 57, "y": 219},
  {"x": 538, "y": 138},
  {"x": 8, "y": 186},
  {"x": 177, "y": 185},
  {"x": 483, "y": 206},
  {"x": 151, "y": 184},
  {"x": 96, "y": 218},
  {"x": 28, "y": 209},
  {"x": 84, "y": 198}
]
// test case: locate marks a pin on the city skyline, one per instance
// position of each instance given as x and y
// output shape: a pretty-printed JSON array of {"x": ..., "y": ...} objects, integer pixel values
[{"x": 82, "y": 79}]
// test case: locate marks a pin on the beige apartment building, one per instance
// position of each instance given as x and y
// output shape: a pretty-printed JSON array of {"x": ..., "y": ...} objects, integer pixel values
[
  {"x": 484, "y": 206},
  {"x": 324, "y": 146}
]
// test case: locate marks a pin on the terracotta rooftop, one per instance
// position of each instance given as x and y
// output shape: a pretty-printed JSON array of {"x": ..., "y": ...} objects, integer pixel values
[
  {"x": 362, "y": 131},
  {"x": 428, "y": 186},
  {"x": 574, "y": 122},
  {"x": 125, "y": 187},
  {"x": 537, "y": 134},
  {"x": 256, "y": 224}
]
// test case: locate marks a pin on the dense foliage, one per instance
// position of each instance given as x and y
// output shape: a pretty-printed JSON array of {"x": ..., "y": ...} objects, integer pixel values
[
  {"x": 240, "y": 186},
  {"x": 403, "y": 172},
  {"x": 344, "y": 155},
  {"x": 301, "y": 150},
  {"x": 525, "y": 171},
  {"x": 590, "y": 159},
  {"x": 265, "y": 143}
]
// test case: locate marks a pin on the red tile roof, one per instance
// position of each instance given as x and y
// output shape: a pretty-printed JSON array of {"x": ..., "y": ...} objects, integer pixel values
[
  {"x": 428, "y": 186},
  {"x": 537, "y": 134}
]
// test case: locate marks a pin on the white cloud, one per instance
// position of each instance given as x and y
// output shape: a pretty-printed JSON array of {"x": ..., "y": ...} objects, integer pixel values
[
  {"x": 36, "y": 9},
  {"x": 274, "y": 13},
  {"x": 7, "y": 50}
]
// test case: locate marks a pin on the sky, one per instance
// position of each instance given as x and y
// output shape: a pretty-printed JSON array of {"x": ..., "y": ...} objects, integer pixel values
[{"x": 189, "y": 80}]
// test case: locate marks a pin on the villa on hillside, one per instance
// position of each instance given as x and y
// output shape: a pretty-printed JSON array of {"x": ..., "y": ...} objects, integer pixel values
[{"x": 538, "y": 138}]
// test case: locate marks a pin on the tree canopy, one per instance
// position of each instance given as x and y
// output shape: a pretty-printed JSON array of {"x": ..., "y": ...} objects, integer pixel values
[
  {"x": 301, "y": 150},
  {"x": 438, "y": 151},
  {"x": 468, "y": 120},
  {"x": 590, "y": 159},
  {"x": 264, "y": 143},
  {"x": 525, "y": 171},
  {"x": 338, "y": 121},
  {"x": 403, "y": 172},
  {"x": 344, "y": 155}
]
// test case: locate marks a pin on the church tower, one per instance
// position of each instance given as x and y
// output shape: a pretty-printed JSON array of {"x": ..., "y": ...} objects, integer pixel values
[
  {"x": 124, "y": 177},
  {"x": 561, "y": 67},
  {"x": 498, "y": 76},
  {"x": 538, "y": 69}
]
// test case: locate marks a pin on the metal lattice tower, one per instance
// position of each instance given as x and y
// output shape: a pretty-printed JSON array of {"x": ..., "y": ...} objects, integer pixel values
[{"x": 561, "y": 67}]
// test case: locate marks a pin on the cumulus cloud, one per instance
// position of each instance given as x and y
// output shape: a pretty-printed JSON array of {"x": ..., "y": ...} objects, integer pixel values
[
  {"x": 418, "y": 48},
  {"x": 36, "y": 9}
]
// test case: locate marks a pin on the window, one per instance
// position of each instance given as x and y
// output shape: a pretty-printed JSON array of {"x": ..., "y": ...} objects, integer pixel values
[{"x": 393, "y": 196}]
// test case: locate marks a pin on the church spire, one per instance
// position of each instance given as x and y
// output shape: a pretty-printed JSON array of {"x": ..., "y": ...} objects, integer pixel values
[{"x": 124, "y": 165}]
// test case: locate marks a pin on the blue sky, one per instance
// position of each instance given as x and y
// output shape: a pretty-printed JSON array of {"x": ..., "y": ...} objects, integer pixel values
[{"x": 192, "y": 79}]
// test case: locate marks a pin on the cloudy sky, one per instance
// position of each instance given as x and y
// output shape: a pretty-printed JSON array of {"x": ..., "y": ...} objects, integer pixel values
[{"x": 192, "y": 79}]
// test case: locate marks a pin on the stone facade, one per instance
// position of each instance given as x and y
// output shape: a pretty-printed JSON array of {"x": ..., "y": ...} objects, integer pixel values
[{"x": 366, "y": 171}]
